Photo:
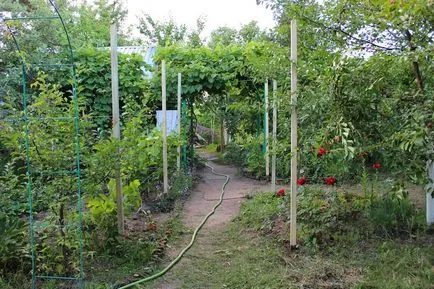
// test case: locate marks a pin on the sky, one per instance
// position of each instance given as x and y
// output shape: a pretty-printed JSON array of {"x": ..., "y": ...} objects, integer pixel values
[{"x": 232, "y": 13}]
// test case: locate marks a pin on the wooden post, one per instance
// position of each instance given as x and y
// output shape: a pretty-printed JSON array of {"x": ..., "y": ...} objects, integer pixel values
[
  {"x": 266, "y": 130},
  {"x": 116, "y": 123},
  {"x": 293, "y": 227},
  {"x": 273, "y": 160},
  {"x": 178, "y": 158},
  {"x": 222, "y": 134},
  {"x": 429, "y": 198},
  {"x": 164, "y": 126},
  {"x": 212, "y": 129}
]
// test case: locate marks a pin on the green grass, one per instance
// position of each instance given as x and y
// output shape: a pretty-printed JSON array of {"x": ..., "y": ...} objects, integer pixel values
[
  {"x": 242, "y": 257},
  {"x": 211, "y": 148}
]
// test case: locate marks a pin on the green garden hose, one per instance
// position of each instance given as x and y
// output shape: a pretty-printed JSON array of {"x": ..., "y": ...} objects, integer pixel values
[{"x": 193, "y": 238}]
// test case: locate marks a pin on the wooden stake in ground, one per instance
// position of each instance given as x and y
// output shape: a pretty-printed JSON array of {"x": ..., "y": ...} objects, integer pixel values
[
  {"x": 212, "y": 129},
  {"x": 116, "y": 123},
  {"x": 429, "y": 198},
  {"x": 266, "y": 130},
  {"x": 273, "y": 160},
  {"x": 164, "y": 126},
  {"x": 293, "y": 227},
  {"x": 222, "y": 134},
  {"x": 178, "y": 158}
]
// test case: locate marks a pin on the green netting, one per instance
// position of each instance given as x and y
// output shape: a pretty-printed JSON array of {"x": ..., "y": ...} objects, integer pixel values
[{"x": 34, "y": 224}]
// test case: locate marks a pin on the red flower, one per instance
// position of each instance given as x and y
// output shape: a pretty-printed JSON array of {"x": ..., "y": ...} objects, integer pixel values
[
  {"x": 321, "y": 151},
  {"x": 301, "y": 181},
  {"x": 330, "y": 181},
  {"x": 280, "y": 193},
  {"x": 376, "y": 165}
]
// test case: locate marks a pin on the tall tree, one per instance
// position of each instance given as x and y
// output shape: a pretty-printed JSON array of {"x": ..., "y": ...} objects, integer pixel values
[
  {"x": 402, "y": 28},
  {"x": 223, "y": 36},
  {"x": 167, "y": 33}
]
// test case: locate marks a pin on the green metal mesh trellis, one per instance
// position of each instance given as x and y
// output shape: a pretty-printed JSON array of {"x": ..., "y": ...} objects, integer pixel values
[{"x": 31, "y": 173}]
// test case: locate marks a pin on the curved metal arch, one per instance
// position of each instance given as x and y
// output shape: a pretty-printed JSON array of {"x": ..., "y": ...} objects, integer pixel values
[
  {"x": 77, "y": 129},
  {"x": 26, "y": 140}
]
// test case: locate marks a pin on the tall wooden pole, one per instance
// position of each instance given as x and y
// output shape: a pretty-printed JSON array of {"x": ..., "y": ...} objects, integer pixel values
[
  {"x": 293, "y": 227},
  {"x": 429, "y": 198},
  {"x": 266, "y": 130},
  {"x": 212, "y": 129},
  {"x": 116, "y": 123},
  {"x": 178, "y": 158},
  {"x": 164, "y": 126},
  {"x": 222, "y": 134},
  {"x": 273, "y": 160}
]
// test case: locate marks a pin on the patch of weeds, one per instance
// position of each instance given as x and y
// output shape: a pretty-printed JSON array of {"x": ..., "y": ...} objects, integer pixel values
[
  {"x": 14, "y": 281},
  {"x": 259, "y": 212},
  {"x": 179, "y": 187},
  {"x": 394, "y": 215},
  {"x": 141, "y": 257}
]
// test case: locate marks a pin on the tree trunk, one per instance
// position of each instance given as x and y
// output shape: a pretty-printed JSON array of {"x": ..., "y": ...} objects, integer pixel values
[{"x": 416, "y": 68}]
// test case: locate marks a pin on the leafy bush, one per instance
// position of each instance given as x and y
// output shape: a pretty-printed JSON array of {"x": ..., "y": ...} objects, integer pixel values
[
  {"x": 180, "y": 184},
  {"x": 325, "y": 217},
  {"x": 13, "y": 244},
  {"x": 57, "y": 248},
  {"x": 14, "y": 198},
  {"x": 234, "y": 154},
  {"x": 247, "y": 153},
  {"x": 102, "y": 223},
  {"x": 393, "y": 214},
  {"x": 131, "y": 194},
  {"x": 102, "y": 216}
]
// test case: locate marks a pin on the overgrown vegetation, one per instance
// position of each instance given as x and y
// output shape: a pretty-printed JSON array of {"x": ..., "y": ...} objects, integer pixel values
[
  {"x": 345, "y": 232},
  {"x": 334, "y": 217},
  {"x": 343, "y": 251},
  {"x": 365, "y": 111}
]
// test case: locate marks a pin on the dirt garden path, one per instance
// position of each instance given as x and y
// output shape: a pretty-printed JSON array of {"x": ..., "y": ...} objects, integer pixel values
[{"x": 204, "y": 196}]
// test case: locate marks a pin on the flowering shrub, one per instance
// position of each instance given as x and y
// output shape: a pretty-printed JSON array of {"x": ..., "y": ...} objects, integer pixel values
[
  {"x": 330, "y": 181},
  {"x": 376, "y": 166},
  {"x": 301, "y": 181},
  {"x": 321, "y": 151},
  {"x": 280, "y": 193}
]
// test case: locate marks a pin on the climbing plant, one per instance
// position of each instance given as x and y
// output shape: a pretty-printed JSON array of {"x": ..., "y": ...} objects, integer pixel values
[{"x": 94, "y": 74}]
